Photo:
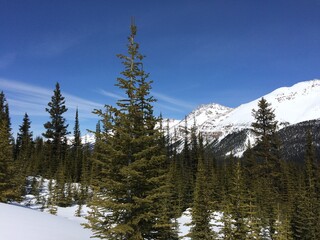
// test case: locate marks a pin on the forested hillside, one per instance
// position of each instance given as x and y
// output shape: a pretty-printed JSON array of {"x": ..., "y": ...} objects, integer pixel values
[{"x": 137, "y": 182}]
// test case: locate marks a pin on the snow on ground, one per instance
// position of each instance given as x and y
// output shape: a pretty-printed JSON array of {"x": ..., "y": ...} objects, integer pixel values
[
  {"x": 185, "y": 220},
  {"x": 20, "y": 223},
  {"x": 29, "y": 221}
]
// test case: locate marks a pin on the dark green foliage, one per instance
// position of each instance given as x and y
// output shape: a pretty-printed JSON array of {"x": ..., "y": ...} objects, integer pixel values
[
  {"x": 24, "y": 143},
  {"x": 264, "y": 128},
  {"x": 56, "y": 130},
  {"x": 239, "y": 204},
  {"x": 4, "y": 113},
  {"x": 132, "y": 168},
  {"x": 9, "y": 180},
  {"x": 24, "y": 150},
  {"x": 7, "y": 187},
  {"x": 201, "y": 212},
  {"x": 268, "y": 188},
  {"x": 76, "y": 153},
  {"x": 306, "y": 205}
]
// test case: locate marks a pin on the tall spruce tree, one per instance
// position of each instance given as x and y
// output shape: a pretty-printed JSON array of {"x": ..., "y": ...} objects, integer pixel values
[
  {"x": 265, "y": 127},
  {"x": 56, "y": 130},
  {"x": 7, "y": 168},
  {"x": 24, "y": 151},
  {"x": 267, "y": 152},
  {"x": 76, "y": 151},
  {"x": 201, "y": 212},
  {"x": 240, "y": 204},
  {"x": 133, "y": 167},
  {"x": 4, "y": 112},
  {"x": 306, "y": 207},
  {"x": 24, "y": 145}
]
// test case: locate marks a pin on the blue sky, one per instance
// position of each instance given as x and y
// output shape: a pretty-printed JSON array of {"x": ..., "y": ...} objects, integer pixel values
[{"x": 197, "y": 52}]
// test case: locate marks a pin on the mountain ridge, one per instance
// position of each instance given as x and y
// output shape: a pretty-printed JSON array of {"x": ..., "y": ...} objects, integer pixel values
[{"x": 297, "y": 103}]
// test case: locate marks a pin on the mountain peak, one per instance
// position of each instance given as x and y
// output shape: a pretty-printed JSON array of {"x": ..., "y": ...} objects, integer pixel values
[{"x": 292, "y": 105}]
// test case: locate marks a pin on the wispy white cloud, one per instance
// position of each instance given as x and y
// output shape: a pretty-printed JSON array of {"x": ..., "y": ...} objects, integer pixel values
[
  {"x": 167, "y": 107},
  {"x": 110, "y": 94},
  {"x": 164, "y": 101},
  {"x": 7, "y": 59},
  {"x": 33, "y": 99},
  {"x": 173, "y": 101}
]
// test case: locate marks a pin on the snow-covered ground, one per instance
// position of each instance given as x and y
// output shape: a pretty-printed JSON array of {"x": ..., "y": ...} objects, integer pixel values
[
  {"x": 31, "y": 220},
  {"x": 21, "y": 223}
]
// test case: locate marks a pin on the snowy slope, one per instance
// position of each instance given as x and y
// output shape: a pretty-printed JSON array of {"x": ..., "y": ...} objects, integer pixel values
[
  {"x": 19, "y": 223},
  {"x": 294, "y": 104},
  {"x": 300, "y": 102}
]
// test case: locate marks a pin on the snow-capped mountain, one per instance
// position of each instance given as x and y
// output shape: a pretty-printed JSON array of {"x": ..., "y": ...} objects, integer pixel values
[{"x": 300, "y": 102}]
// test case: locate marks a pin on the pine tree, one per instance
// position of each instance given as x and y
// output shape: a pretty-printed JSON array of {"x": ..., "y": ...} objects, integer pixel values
[
  {"x": 253, "y": 220},
  {"x": 56, "y": 130},
  {"x": 227, "y": 228},
  {"x": 4, "y": 112},
  {"x": 6, "y": 164},
  {"x": 167, "y": 225},
  {"x": 24, "y": 145},
  {"x": 38, "y": 164},
  {"x": 201, "y": 212},
  {"x": 239, "y": 209},
  {"x": 51, "y": 201},
  {"x": 264, "y": 128},
  {"x": 306, "y": 206},
  {"x": 267, "y": 151},
  {"x": 188, "y": 175},
  {"x": 8, "y": 181},
  {"x": 282, "y": 226},
  {"x": 133, "y": 168},
  {"x": 23, "y": 150},
  {"x": 76, "y": 151}
]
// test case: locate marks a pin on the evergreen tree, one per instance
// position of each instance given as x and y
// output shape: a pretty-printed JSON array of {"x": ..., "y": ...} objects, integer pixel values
[
  {"x": 227, "y": 228},
  {"x": 239, "y": 209},
  {"x": 167, "y": 225},
  {"x": 282, "y": 226},
  {"x": 264, "y": 127},
  {"x": 133, "y": 168},
  {"x": 7, "y": 188},
  {"x": 4, "y": 112},
  {"x": 38, "y": 164},
  {"x": 306, "y": 206},
  {"x": 188, "y": 175},
  {"x": 8, "y": 182},
  {"x": 24, "y": 145},
  {"x": 267, "y": 151},
  {"x": 76, "y": 151},
  {"x": 56, "y": 130},
  {"x": 201, "y": 212},
  {"x": 23, "y": 150},
  {"x": 51, "y": 201}
]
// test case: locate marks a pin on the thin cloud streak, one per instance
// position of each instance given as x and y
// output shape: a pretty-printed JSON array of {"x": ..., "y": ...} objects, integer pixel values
[
  {"x": 163, "y": 106},
  {"x": 32, "y": 99},
  {"x": 110, "y": 94},
  {"x": 173, "y": 101}
]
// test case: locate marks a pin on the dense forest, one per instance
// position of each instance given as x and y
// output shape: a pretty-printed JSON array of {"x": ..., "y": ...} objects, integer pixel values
[{"x": 137, "y": 181}]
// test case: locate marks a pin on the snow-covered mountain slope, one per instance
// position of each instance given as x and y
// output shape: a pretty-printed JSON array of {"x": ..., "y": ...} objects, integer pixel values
[
  {"x": 205, "y": 118},
  {"x": 19, "y": 223},
  {"x": 300, "y": 102}
]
